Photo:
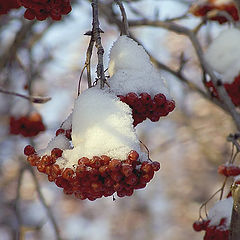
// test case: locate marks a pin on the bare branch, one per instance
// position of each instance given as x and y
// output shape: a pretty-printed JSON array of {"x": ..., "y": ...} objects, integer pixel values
[
  {"x": 125, "y": 27},
  {"x": 97, "y": 38},
  {"x": 30, "y": 98},
  {"x": 44, "y": 203}
]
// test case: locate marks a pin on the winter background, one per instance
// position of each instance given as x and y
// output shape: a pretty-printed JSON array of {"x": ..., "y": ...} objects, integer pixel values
[{"x": 189, "y": 143}]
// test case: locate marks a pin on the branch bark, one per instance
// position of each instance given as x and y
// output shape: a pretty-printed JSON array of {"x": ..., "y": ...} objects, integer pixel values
[{"x": 97, "y": 37}]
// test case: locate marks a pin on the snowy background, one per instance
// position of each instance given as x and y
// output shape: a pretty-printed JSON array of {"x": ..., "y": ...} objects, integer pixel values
[{"x": 189, "y": 143}]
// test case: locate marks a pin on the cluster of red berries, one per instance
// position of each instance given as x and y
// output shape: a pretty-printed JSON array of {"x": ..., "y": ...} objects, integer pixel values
[
  {"x": 219, "y": 232},
  {"x": 96, "y": 177},
  {"x": 233, "y": 90},
  {"x": 27, "y": 126},
  {"x": 229, "y": 170},
  {"x": 7, "y": 5},
  {"x": 67, "y": 133},
  {"x": 41, "y": 9},
  {"x": 202, "y": 9},
  {"x": 143, "y": 106}
]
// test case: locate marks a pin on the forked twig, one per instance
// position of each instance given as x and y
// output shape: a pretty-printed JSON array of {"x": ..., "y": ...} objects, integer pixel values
[{"x": 29, "y": 98}]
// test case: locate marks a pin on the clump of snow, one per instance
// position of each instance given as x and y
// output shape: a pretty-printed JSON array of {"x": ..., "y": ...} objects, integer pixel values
[
  {"x": 127, "y": 54},
  {"x": 131, "y": 70},
  {"x": 222, "y": 209},
  {"x": 223, "y": 54},
  {"x": 59, "y": 141},
  {"x": 125, "y": 81},
  {"x": 101, "y": 125}
]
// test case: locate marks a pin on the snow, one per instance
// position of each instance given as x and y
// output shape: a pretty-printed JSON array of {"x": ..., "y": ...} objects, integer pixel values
[
  {"x": 59, "y": 141},
  {"x": 131, "y": 70},
  {"x": 101, "y": 125},
  {"x": 125, "y": 81},
  {"x": 223, "y": 54},
  {"x": 222, "y": 209},
  {"x": 127, "y": 54}
]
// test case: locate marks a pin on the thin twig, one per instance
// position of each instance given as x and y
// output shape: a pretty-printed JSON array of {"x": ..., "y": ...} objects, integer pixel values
[
  {"x": 125, "y": 28},
  {"x": 30, "y": 98},
  {"x": 87, "y": 62},
  {"x": 100, "y": 51},
  {"x": 80, "y": 79},
  {"x": 44, "y": 203}
]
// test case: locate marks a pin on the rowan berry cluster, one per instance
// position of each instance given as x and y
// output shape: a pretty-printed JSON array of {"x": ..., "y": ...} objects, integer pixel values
[
  {"x": 143, "y": 106},
  {"x": 6, "y": 6},
  {"x": 208, "y": 7},
  {"x": 219, "y": 232},
  {"x": 95, "y": 177},
  {"x": 27, "y": 126},
  {"x": 233, "y": 90},
  {"x": 229, "y": 170},
  {"x": 41, "y": 9}
]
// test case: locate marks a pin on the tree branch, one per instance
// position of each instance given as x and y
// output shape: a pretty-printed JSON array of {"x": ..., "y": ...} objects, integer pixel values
[
  {"x": 100, "y": 51},
  {"x": 125, "y": 28},
  {"x": 190, "y": 34},
  {"x": 30, "y": 98},
  {"x": 44, "y": 203}
]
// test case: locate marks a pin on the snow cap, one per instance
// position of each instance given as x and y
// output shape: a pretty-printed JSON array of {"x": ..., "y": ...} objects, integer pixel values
[
  {"x": 127, "y": 54},
  {"x": 222, "y": 209},
  {"x": 101, "y": 125},
  {"x": 131, "y": 70},
  {"x": 223, "y": 54}
]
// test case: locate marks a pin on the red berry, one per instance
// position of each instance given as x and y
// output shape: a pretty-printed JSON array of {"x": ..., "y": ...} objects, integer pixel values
[
  {"x": 133, "y": 155},
  {"x": 115, "y": 165},
  {"x": 68, "y": 174},
  {"x": 222, "y": 169},
  {"x": 127, "y": 170},
  {"x": 155, "y": 166},
  {"x": 198, "y": 226},
  {"x": 105, "y": 160},
  {"x": 160, "y": 99},
  {"x": 116, "y": 176},
  {"x": 95, "y": 162},
  {"x": 33, "y": 159},
  {"x": 84, "y": 160},
  {"x": 233, "y": 170},
  {"x": 56, "y": 153},
  {"x": 131, "y": 98},
  {"x": 29, "y": 150},
  {"x": 131, "y": 180},
  {"x": 60, "y": 131},
  {"x": 81, "y": 170},
  {"x": 170, "y": 105},
  {"x": 145, "y": 98},
  {"x": 104, "y": 170}
]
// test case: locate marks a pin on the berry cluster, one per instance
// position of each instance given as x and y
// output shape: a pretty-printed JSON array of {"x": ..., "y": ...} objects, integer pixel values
[
  {"x": 96, "y": 177},
  {"x": 67, "y": 133},
  {"x": 233, "y": 90},
  {"x": 219, "y": 232},
  {"x": 229, "y": 170},
  {"x": 201, "y": 10},
  {"x": 27, "y": 126},
  {"x": 6, "y": 6},
  {"x": 143, "y": 106},
  {"x": 41, "y": 9}
]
